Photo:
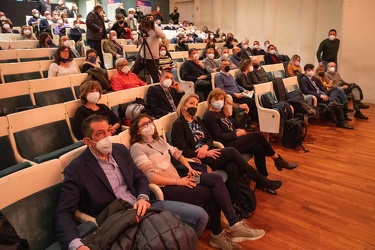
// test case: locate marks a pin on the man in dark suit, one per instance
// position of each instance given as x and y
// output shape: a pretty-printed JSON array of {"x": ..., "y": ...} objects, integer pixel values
[
  {"x": 121, "y": 10},
  {"x": 164, "y": 98},
  {"x": 103, "y": 173}
]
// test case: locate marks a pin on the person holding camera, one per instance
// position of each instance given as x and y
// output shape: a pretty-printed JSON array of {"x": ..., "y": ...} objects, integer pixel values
[{"x": 151, "y": 35}]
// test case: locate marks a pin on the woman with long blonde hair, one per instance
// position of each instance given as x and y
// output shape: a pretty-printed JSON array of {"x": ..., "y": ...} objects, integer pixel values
[{"x": 230, "y": 132}]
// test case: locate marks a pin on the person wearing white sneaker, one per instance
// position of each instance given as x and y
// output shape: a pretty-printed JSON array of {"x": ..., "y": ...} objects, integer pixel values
[{"x": 152, "y": 154}]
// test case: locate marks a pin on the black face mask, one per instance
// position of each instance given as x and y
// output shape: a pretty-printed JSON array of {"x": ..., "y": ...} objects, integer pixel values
[
  {"x": 321, "y": 74},
  {"x": 120, "y": 22},
  {"x": 227, "y": 68},
  {"x": 256, "y": 66},
  {"x": 191, "y": 111}
]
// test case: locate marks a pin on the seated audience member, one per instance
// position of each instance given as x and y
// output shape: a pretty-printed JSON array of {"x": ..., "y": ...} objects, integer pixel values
[
  {"x": 225, "y": 56},
  {"x": 217, "y": 32},
  {"x": 190, "y": 135},
  {"x": 4, "y": 17},
  {"x": 223, "y": 38},
  {"x": 131, "y": 21},
  {"x": 110, "y": 45},
  {"x": 7, "y": 27},
  {"x": 245, "y": 78},
  {"x": 210, "y": 64},
  {"x": 33, "y": 21},
  {"x": 229, "y": 43},
  {"x": 204, "y": 35},
  {"x": 246, "y": 51},
  {"x": 257, "y": 50},
  {"x": 266, "y": 45},
  {"x": 157, "y": 14},
  {"x": 63, "y": 63},
  {"x": 92, "y": 61},
  {"x": 225, "y": 81},
  {"x": 230, "y": 35},
  {"x": 90, "y": 188},
  {"x": 164, "y": 98},
  {"x": 152, "y": 154},
  {"x": 260, "y": 75},
  {"x": 121, "y": 27},
  {"x": 90, "y": 93},
  {"x": 189, "y": 37},
  {"x": 64, "y": 41},
  {"x": 124, "y": 78},
  {"x": 236, "y": 57},
  {"x": 294, "y": 67},
  {"x": 55, "y": 16},
  {"x": 230, "y": 132},
  {"x": 310, "y": 85},
  {"x": 351, "y": 89},
  {"x": 80, "y": 19},
  {"x": 76, "y": 32},
  {"x": 45, "y": 41},
  {"x": 73, "y": 13},
  {"x": 166, "y": 62},
  {"x": 270, "y": 57},
  {"x": 76, "y": 35},
  {"x": 133, "y": 38},
  {"x": 170, "y": 25},
  {"x": 181, "y": 43},
  {"x": 27, "y": 33},
  {"x": 60, "y": 28},
  {"x": 212, "y": 44},
  {"x": 45, "y": 23},
  {"x": 211, "y": 38},
  {"x": 193, "y": 70},
  {"x": 61, "y": 7}
]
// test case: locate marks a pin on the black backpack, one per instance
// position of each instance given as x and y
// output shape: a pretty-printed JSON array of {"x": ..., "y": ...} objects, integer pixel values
[{"x": 294, "y": 133}]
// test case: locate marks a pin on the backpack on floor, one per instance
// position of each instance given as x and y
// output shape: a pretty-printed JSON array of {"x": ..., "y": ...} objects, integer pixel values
[{"x": 294, "y": 133}]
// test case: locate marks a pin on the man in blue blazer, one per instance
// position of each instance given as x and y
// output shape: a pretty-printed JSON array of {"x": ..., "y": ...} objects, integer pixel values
[{"x": 100, "y": 175}]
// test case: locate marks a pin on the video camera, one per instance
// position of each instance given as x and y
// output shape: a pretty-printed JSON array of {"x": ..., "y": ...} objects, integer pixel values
[{"x": 147, "y": 24}]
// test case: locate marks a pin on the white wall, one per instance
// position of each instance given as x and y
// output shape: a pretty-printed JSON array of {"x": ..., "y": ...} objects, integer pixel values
[
  {"x": 298, "y": 27},
  {"x": 357, "y": 52}
]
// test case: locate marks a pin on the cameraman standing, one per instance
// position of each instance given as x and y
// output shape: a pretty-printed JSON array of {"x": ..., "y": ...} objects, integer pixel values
[{"x": 152, "y": 60}]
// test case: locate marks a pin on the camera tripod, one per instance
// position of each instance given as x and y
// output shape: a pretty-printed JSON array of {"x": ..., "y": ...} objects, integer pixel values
[{"x": 141, "y": 61}]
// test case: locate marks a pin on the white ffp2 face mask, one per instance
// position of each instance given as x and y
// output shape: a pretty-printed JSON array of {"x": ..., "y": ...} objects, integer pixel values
[
  {"x": 125, "y": 70},
  {"x": 104, "y": 145},
  {"x": 93, "y": 97},
  {"x": 148, "y": 130},
  {"x": 167, "y": 83}
]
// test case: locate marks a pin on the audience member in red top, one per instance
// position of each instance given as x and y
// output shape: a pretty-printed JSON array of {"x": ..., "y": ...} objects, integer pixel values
[{"x": 124, "y": 78}]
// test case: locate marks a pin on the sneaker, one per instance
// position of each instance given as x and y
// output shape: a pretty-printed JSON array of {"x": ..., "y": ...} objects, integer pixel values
[
  {"x": 222, "y": 241},
  {"x": 241, "y": 232}
]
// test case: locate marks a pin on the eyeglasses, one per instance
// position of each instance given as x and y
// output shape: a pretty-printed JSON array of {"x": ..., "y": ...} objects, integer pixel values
[{"x": 145, "y": 124}]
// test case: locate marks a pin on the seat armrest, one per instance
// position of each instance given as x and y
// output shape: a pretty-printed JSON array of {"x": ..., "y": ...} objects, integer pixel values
[
  {"x": 157, "y": 191},
  {"x": 82, "y": 217},
  {"x": 218, "y": 144}
]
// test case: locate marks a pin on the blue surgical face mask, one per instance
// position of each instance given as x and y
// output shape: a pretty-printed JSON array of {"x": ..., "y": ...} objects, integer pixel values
[
  {"x": 92, "y": 59},
  {"x": 219, "y": 104}
]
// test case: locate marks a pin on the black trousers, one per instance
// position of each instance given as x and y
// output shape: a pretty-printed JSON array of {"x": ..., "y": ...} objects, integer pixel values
[{"x": 150, "y": 65}]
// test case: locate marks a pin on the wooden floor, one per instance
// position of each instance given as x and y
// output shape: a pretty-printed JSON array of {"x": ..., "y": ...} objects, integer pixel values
[{"x": 328, "y": 201}]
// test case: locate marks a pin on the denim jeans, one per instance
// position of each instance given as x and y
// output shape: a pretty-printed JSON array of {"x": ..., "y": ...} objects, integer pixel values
[{"x": 194, "y": 216}]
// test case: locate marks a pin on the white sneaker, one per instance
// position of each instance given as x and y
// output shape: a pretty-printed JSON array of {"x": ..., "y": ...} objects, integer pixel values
[
  {"x": 241, "y": 232},
  {"x": 222, "y": 241}
]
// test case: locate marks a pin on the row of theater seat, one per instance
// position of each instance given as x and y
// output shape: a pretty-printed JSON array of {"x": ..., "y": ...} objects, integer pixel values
[{"x": 34, "y": 191}]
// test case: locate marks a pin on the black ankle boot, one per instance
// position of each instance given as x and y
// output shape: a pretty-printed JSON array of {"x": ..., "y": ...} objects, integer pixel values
[
  {"x": 358, "y": 114},
  {"x": 262, "y": 181},
  {"x": 346, "y": 117},
  {"x": 280, "y": 163}
]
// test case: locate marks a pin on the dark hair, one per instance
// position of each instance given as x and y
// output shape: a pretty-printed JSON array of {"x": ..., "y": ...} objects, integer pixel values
[
  {"x": 86, "y": 128},
  {"x": 166, "y": 71},
  {"x": 332, "y": 30},
  {"x": 58, "y": 57},
  {"x": 86, "y": 87},
  {"x": 120, "y": 16},
  {"x": 42, "y": 38},
  {"x": 308, "y": 66},
  {"x": 90, "y": 51},
  {"x": 8, "y": 22},
  {"x": 190, "y": 51},
  {"x": 133, "y": 129}
]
